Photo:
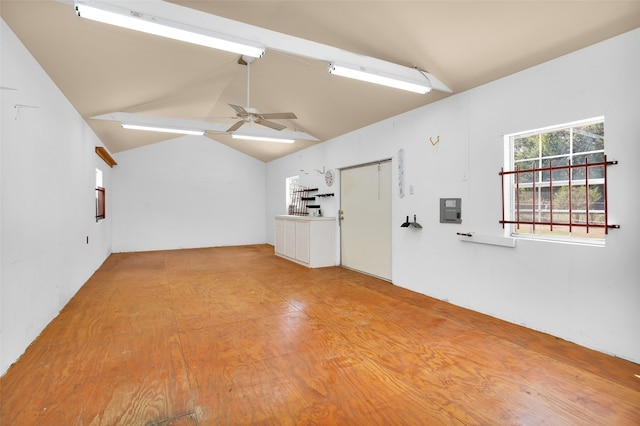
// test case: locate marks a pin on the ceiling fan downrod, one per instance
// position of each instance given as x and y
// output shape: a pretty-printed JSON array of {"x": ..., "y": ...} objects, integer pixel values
[{"x": 246, "y": 60}]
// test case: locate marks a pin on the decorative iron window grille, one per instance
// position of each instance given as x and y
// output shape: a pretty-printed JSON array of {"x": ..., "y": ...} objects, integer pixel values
[
  {"x": 535, "y": 200},
  {"x": 100, "y": 204}
]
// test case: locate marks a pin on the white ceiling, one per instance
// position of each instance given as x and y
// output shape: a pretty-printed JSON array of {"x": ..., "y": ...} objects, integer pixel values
[{"x": 103, "y": 69}]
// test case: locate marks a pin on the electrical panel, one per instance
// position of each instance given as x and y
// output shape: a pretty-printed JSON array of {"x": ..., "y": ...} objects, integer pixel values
[{"x": 450, "y": 210}]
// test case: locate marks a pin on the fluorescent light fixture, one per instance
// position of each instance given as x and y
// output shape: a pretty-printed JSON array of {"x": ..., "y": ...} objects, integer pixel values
[
  {"x": 163, "y": 129},
  {"x": 138, "y": 21},
  {"x": 421, "y": 86},
  {"x": 262, "y": 138}
]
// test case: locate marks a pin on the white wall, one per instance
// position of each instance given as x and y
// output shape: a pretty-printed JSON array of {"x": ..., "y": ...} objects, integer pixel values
[
  {"x": 585, "y": 294},
  {"x": 47, "y": 208},
  {"x": 187, "y": 192}
]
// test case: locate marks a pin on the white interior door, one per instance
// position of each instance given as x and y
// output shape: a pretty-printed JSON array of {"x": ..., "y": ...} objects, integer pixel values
[{"x": 365, "y": 219}]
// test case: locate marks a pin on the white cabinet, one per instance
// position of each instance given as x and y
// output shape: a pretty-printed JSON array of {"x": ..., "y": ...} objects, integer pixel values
[
  {"x": 289, "y": 238},
  {"x": 303, "y": 229},
  {"x": 280, "y": 236},
  {"x": 309, "y": 241}
]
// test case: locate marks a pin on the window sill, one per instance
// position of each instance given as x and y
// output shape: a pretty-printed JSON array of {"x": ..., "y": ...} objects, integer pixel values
[{"x": 560, "y": 240}]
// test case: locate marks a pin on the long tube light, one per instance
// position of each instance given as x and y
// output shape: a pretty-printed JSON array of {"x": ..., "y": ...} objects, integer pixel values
[
  {"x": 138, "y": 21},
  {"x": 262, "y": 138},
  {"x": 377, "y": 77},
  {"x": 163, "y": 129}
]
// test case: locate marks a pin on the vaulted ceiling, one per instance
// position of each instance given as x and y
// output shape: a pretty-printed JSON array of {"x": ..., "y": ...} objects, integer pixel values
[{"x": 104, "y": 69}]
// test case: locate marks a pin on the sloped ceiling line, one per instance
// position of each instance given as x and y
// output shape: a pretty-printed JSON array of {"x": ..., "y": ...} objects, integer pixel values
[{"x": 101, "y": 69}]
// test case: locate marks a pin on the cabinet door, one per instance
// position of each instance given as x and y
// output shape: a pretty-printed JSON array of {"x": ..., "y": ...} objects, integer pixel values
[
  {"x": 280, "y": 236},
  {"x": 290, "y": 238},
  {"x": 302, "y": 241}
]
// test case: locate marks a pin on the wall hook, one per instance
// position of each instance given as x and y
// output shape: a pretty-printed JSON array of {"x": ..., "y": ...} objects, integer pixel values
[
  {"x": 413, "y": 224},
  {"x": 320, "y": 172},
  {"x": 434, "y": 143},
  {"x": 20, "y": 106}
]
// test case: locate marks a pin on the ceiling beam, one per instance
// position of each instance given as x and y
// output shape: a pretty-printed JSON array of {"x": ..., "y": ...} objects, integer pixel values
[{"x": 272, "y": 40}]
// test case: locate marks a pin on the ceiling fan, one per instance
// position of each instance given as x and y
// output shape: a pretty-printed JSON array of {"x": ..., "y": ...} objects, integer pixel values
[{"x": 252, "y": 115}]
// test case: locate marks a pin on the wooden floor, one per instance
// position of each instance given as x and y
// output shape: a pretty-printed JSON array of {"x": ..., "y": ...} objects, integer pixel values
[{"x": 237, "y": 336}]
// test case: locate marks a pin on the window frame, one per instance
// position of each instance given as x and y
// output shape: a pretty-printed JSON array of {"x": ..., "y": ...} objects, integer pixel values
[
  {"x": 291, "y": 183},
  {"x": 511, "y": 184},
  {"x": 101, "y": 212}
]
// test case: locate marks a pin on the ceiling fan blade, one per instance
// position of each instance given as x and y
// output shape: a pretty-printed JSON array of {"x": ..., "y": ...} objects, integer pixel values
[
  {"x": 239, "y": 110},
  {"x": 278, "y": 115},
  {"x": 271, "y": 124},
  {"x": 235, "y": 126}
]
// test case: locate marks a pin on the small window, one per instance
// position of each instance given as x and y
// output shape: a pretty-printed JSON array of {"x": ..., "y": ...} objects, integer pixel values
[
  {"x": 290, "y": 184},
  {"x": 554, "y": 182},
  {"x": 100, "y": 197}
]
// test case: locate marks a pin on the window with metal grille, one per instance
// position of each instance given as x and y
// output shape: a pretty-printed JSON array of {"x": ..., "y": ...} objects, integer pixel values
[
  {"x": 100, "y": 197},
  {"x": 554, "y": 184},
  {"x": 100, "y": 204}
]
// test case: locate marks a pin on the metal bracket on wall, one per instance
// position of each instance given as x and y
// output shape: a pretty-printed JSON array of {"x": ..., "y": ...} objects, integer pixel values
[{"x": 413, "y": 224}]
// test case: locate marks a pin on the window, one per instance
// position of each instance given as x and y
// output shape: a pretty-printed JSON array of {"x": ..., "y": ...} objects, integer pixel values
[
  {"x": 100, "y": 198},
  {"x": 291, "y": 184},
  {"x": 554, "y": 182}
]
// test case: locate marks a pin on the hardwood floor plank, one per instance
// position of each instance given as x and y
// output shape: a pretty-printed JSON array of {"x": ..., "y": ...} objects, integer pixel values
[
  {"x": 236, "y": 335},
  {"x": 207, "y": 301},
  {"x": 612, "y": 368},
  {"x": 111, "y": 355}
]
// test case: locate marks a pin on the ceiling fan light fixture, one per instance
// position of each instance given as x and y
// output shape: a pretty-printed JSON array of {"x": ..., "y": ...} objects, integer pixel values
[
  {"x": 149, "y": 24},
  {"x": 420, "y": 86},
  {"x": 131, "y": 126},
  {"x": 261, "y": 138}
]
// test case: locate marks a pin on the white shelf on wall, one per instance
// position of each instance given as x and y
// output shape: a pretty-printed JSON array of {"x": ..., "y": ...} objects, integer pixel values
[{"x": 493, "y": 240}]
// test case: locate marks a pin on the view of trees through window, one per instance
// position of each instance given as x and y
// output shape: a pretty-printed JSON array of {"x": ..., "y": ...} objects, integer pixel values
[{"x": 556, "y": 191}]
